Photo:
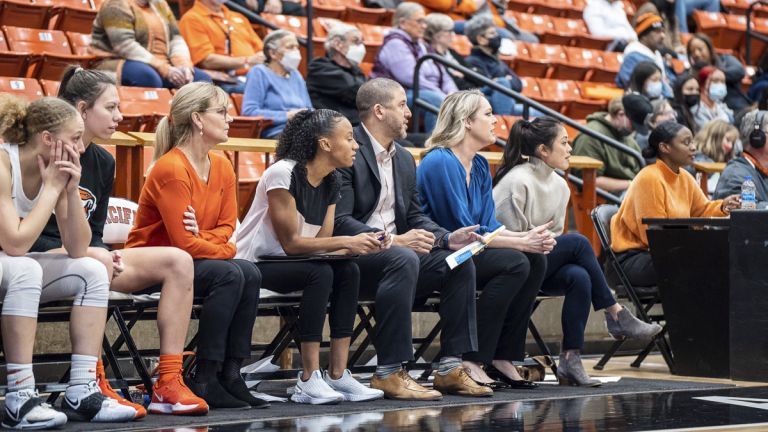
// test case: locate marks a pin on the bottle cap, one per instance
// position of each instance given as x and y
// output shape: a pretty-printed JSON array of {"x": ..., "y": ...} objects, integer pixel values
[{"x": 748, "y": 178}]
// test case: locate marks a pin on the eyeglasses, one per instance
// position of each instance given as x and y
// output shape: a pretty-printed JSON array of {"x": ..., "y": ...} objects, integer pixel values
[{"x": 223, "y": 111}]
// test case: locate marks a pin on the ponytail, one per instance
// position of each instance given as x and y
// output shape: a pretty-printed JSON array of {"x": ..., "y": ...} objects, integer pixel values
[
  {"x": 523, "y": 140},
  {"x": 20, "y": 120}
]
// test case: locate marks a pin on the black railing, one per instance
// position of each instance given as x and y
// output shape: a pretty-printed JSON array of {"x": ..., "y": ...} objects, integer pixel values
[
  {"x": 751, "y": 33},
  {"x": 527, "y": 103}
]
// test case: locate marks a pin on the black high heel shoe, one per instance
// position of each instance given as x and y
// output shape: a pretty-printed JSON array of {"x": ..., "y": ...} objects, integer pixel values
[{"x": 512, "y": 384}]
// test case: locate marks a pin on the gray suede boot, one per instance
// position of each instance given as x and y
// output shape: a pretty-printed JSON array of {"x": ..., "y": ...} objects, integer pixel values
[
  {"x": 571, "y": 372},
  {"x": 629, "y": 327}
]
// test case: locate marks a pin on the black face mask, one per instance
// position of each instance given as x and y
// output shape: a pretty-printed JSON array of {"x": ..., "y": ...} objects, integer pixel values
[
  {"x": 494, "y": 43},
  {"x": 691, "y": 100}
]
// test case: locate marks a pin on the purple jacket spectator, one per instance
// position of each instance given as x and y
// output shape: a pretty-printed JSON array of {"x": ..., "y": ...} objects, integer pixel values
[{"x": 397, "y": 59}]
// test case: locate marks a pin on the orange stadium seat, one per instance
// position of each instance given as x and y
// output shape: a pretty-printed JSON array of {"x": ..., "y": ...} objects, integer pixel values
[
  {"x": 364, "y": 15},
  {"x": 536, "y": 60},
  {"x": 329, "y": 8},
  {"x": 564, "y": 31},
  {"x": 531, "y": 87},
  {"x": 373, "y": 37},
  {"x": 27, "y": 88},
  {"x": 295, "y": 24},
  {"x": 710, "y": 23},
  {"x": 560, "y": 8},
  {"x": 732, "y": 36},
  {"x": 502, "y": 127},
  {"x": 580, "y": 62},
  {"x": 525, "y": 6},
  {"x": 557, "y": 94},
  {"x": 81, "y": 45},
  {"x": 26, "y": 13},
  {"x": 142, "y": 107},
  {"x": 50, "y": 88},
  {"x": 243, "y": 126},
  {"x": 537, "y": 24},
  {"x": 52, "y": 52},
  {"x": 12, "y": 64},
  {"x": 75, "y": 15},
  {"x": 462, "y": 45},
  {"x": 607, "y": 67}
]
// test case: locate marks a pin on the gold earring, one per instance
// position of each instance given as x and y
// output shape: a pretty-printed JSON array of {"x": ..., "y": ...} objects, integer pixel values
[{"x": 201, "y": 130}]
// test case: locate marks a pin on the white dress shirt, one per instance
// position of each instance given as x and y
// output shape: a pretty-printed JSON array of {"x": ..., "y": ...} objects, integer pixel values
[{"x": 383, "y": 216}]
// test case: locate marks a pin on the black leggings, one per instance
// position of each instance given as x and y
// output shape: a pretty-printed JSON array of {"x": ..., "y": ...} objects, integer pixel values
[
  {"x": 337, "y": 281},
  {"x": 231, "y": 291}
]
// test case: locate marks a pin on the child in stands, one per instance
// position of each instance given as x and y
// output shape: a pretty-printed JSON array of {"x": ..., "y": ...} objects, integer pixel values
[
  {"x": 39, "y": 174},
  {"x": 94, "y": 95},
  {"x": 293, "y": 214},
  {"x": 189, "y": 201}
]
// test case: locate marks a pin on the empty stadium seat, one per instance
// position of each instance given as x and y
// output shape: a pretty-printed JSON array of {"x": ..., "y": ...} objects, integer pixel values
[
  {"x": 294, "y": 24},
  {"x": 579, "y": 64},
  {"x": 535, "y": 60},
  {"x": 27, "y": 88},
  {"x": 26, "y": 13},
  {"x": 709, "y": 23},
  {"x": 52, "y": 52},
  {"x": 537, "y": 24},
  {"x": 363, "y": 15},
  {"x": 50, "y": 88},
  {"x": 244, "y": 126},
  {"x": 607, "y": 67},
  {"x": 564, "y": 31},
  {"x": 142, "y": 107},
  {"x": 12, "y": 63},
  {"x": 75, "y": 15}
]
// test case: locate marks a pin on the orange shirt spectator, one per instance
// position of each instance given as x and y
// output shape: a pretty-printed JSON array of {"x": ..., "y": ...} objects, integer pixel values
[{"x": 220, "y": 39}]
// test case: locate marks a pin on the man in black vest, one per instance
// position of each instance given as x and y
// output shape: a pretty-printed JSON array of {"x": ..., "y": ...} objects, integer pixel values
[{"x": 379, "y": 193}]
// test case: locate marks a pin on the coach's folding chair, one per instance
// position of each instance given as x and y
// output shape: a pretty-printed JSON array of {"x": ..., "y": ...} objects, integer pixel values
[{"x": 643, "y": 298}]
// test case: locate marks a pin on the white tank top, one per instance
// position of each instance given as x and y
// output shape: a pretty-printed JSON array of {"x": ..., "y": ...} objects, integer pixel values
[{"x": 23, "y": 204}]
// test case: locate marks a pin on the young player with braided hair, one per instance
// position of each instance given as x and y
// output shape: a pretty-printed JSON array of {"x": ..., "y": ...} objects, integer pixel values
[{"x": 293, "y": 214}]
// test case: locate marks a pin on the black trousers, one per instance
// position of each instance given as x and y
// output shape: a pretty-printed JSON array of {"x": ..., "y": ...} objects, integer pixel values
[
  {"x": 334, "y": 281},
  {"x": 231, "y": 291},
  {"x": 638, "y": 266},
  {"x": 396, "y": 279},
  {"x": 509, "y": 280}
]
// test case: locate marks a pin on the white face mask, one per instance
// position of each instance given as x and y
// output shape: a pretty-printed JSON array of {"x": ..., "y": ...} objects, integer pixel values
[
  {"x": 291, "y": 59},
  {"x": 356, "y": 53}
]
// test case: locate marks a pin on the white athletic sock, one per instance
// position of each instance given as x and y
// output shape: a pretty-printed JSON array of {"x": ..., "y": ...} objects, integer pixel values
[
  {"x": 83, "y": 369},
  {"x": 20, "y": 376}
]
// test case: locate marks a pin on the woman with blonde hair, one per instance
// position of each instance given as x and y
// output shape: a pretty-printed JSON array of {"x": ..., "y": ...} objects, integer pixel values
[
  {"x": 716, "y": 142},
  {"x": 39, "y": 175},
  {"x": 189, "y": 201},
  {"x": 454, "y": 183}
]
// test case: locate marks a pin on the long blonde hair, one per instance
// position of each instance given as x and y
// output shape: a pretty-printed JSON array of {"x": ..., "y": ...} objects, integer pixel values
[
  {"x": 456, "y": 109},
  {"x": 709, "y": 140},
  {"x": 177, "y": 127},
  {"x": 21, "y": 120}
]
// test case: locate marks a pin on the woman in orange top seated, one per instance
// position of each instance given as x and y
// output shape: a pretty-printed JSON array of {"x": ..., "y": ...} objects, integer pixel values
[
  {"x": 189, "y": 202},
  {"x": 661, "y": 190}
]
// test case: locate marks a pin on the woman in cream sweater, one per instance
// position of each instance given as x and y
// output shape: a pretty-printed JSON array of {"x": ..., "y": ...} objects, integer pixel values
[{"x": 530, "y": 193}]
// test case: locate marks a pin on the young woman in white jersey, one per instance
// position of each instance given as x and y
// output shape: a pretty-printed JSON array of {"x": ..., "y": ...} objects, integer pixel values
[{"x": 41, "y": 143}]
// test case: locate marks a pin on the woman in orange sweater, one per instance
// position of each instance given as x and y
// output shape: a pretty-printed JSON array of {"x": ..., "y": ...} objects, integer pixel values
[
  {"x": 189, "y": 202},
  {"x": 661, "y": 190}
]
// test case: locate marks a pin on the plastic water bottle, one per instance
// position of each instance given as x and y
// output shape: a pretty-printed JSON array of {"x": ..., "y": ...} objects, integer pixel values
[{"x": 748, "y": 201}]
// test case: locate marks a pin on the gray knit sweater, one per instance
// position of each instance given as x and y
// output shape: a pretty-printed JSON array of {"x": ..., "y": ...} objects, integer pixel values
[{"x": 531, "y": 194}]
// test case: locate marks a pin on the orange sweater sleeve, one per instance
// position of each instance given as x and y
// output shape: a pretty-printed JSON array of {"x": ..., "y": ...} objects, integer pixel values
[
  {"x": 701, "y": 206},
  {"x": 227, "y": 221},
  {"x": 172, "y": 213}
]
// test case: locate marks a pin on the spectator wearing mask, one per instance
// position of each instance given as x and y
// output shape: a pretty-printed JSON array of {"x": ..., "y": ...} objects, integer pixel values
[
  {"x": 281, "y": 7},
  {"x": 333, "y": 80},
  {"x": 753, "y": 162},
  {"x": 619, "y": 168},
  {"x": 712, "y": 105},
  {"x": 275, "y": 89},
  {"x": 646, "y": 80},
  {"x": 607, "y": 18},
  {"x": 650, "y": 41},
  {"x": 397, "y": 58},
  {"x": 146, "y": 45},
  {"x": 716, "y": 142},
  {"x": 701, "y": 53},
  {"x": 221, "y": 40},
  {"x": 660, "y": 190},
  {"x": 439, "y": 35},
  {"x": 687, "y": 95},
  {"x": 485, "y": 58},
  {"x": 661, "y": 111}
]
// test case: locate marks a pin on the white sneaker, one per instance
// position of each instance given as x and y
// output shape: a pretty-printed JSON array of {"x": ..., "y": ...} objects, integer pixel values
[
  {"x": 25, "y": 410},
  {"x": 351, "y": 389},
  {"x": 84, "y": 402},
  {"x": 315, "y": 391}
]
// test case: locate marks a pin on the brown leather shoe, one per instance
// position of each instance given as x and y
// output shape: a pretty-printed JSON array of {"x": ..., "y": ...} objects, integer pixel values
[
  {"x": 401, "y": 386},
  {"x": 458, "y": 382}
]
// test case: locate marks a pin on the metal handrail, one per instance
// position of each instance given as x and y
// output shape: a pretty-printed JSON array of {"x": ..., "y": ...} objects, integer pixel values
[
  {"x": 750, "y": 33},
  {"x": 518, "y": 97}
]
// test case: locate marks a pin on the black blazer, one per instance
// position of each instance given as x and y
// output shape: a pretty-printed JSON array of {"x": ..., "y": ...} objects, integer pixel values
[{"x": 361, "y": 186}]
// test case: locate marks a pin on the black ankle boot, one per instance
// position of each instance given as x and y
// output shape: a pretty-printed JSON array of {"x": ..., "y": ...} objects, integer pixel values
[
  {"x": 237, "y": 388},
  {"x": 214, "y": 394}
]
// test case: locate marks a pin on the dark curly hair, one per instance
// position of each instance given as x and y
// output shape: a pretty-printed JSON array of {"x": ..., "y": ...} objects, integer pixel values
[
  {"x": 664, "y": 132},
  {"x": 299, "y": 139}
]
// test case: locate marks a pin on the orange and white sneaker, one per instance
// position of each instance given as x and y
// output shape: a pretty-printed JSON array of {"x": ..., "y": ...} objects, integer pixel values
[
  {"x": 108, "y": 391},
  {"x": 172, "y": 396}
]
